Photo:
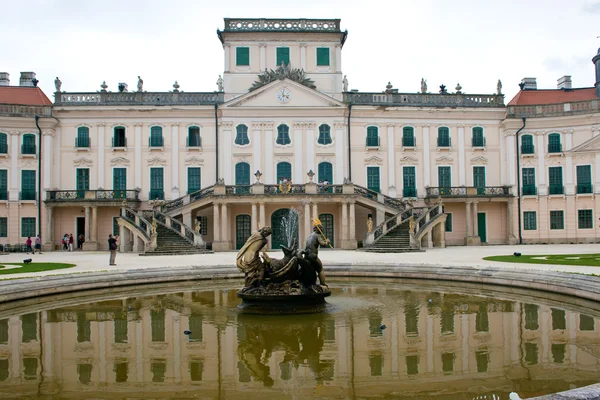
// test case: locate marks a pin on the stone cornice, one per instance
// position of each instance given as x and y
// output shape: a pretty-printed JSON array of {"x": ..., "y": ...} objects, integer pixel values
[
  {"x": 226, "y": 125},
  {"x": 49, "y": 132}
]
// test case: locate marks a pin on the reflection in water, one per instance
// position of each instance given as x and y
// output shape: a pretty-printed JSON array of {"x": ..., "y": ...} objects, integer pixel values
[{"x": 376, "y": 343}]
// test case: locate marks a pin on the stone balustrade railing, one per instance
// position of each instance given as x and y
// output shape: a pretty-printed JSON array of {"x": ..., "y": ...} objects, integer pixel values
[
  {"x": 425, "y": 99},
  {"x": 92, "y": 195},
  {"x": 468, "y": 191},
  {"x": 16, "y": 110},
  {"x": 138, "y": 98},
  {"x": 281, "y": 25},
  {"x": 176, "y": 226},
  {"x": 554, "y": 110}
]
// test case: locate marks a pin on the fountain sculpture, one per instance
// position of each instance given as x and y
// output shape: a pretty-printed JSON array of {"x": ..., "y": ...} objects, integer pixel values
[{"x": 290, "y": 280}]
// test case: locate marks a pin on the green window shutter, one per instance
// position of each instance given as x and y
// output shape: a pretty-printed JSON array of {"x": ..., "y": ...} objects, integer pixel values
[
  {"x": 444, "y": 177},
  {"x": 193, "y": 137},
  {"x": 283, "y": 135},
  {"x": 527, "y": 145},
  {"x": 529, "y": 221},
  {"x": 3, "y": 184},
  {"x": 557, "y": 220},
  {"x": 585, "y": 219},
  {"x": 83, "y": 137},
  {"x": 283, "y": 55},
  {"x": 372, "y": 136},
  {"x": 478, "y": 140},
  {"x": 325, "y": 172},
  {"x": 555, "y": 180},
  {"x": 242, "y": 56},
  {"x": 409, "y": 183},
  {"x": 373, "y": 179},
  {"x": 242, "y": 173},
  {"x": 448, "y": 222},
  {"x": 324, "y": 134},
  {"x": 408, "y": 136},
  {"x": 584, "y": 179},
  {"x": 193, "y": 179},
  {"x": 3, "y": 227},
  {"x": 28, "y": 185},
  {"x": 28, "y": 227},
  {"x": 82, "y": 181},
  {"x": 444, "y": 137},
  {"x": 284, "y": 170},
  {"x": 156, "y": 136},
  {"x": 3, "y": 143},
  {"x": 119, "y": 179},
  {"x": 322, "y": 55},
  {"x": 241, "y": 137},
  {"x": 479, "y": 177},
  {"x": 554, "y": 145},
  {"x": 157, "y": 183},
  {"x": 529, "y": 187}
]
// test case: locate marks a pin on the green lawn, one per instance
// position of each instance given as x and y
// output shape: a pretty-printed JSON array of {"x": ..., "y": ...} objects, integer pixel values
[
  {"x": 591, "y": 260},
  {"x": 32, "y": 267}
]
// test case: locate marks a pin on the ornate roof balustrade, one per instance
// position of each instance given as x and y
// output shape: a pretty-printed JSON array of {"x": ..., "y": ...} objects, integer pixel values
[
  {"x": 138, "y": 98},
  {"x": 16, "y": 110},
  {"x": 281, "y": 25},
  {"x": 554, "y": 110},
  {"x": 425, "y": 99}
]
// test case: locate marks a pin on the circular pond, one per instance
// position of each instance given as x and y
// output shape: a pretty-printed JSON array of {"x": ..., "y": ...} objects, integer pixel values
[{"x": 375, "y": 339}]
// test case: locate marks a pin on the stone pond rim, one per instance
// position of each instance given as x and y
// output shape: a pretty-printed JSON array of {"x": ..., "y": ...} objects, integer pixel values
[{"x": 287, "y": 299}]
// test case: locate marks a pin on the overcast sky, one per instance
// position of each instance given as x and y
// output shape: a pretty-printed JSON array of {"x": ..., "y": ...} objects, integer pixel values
[{"x": 474, "y": 42}]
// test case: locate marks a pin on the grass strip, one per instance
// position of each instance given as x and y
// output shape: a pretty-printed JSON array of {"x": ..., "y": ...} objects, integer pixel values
[
  {"x": 588, "y": 260},
  {"x": 32, "y": 267}
]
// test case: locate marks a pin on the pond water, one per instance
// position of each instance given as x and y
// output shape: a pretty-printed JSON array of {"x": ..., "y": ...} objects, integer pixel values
[{"x": 376, "y": 339}]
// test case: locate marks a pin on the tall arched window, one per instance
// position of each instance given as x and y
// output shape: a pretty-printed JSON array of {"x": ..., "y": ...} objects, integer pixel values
[
  {"x": 554, "y": 145},
  {"x": 408, "y": 136},
  {"x": 83, "y": 137},
  {"x": 119, "y": 138},
  {"x": 28, "y": 146},
  {"x": 477, "y": 139},
  {"x": 284, "y": 171},
  {"x": 283, "y": 134},
  {"x": 372, "y": 136},
  {"x": 156, "y": 137},
  {"x": 325, "y": 177},
  {"x": 443, "y": 137},
  {"x": 527, "y": 146},
  {"x": 324, "y": 134},
  {"x": 241, "y": 137},
  {"x": 3, "y": 143},
  {"x": 193, "y": 139}
]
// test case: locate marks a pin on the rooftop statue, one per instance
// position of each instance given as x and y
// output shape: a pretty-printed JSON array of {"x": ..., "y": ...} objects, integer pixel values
[
  {"x": 57, "y": 84},
  {"x": 499, "y": 87},
  {"x": 220, "y": 84},
  {"x": 423, "y": 86},
  {"x": 345, "y": 84},
  {"x": 140, "y": 84}
]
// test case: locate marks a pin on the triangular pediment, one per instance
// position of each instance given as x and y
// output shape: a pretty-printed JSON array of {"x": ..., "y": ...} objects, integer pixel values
[
  {"x": 283, "y": 94},
  {"x": 590, "y": 146}
]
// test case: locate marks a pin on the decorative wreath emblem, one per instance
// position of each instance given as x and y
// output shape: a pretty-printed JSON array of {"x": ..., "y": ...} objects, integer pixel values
[{"x": 285, "y": 187}]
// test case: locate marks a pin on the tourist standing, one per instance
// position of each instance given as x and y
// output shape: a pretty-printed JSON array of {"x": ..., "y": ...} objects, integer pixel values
[
  {"x": 112, "y": 247},
  {"x": 80, "y": 241},
  {"x": 71, "y": 241},
  {"x": 38, "y": 245},
  {"x": 28, "y": 245}
]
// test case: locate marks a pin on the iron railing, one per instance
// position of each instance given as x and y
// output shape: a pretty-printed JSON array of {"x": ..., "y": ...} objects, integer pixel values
[
  {"x": 28, "y": 149},
  {"x": 585, "y": 188},
  {"x": 529, "y": 190},
  {"x": 556, "y": 189},
  {"x": 527, "y": 149},
  {"x": 82, "y": 142}
]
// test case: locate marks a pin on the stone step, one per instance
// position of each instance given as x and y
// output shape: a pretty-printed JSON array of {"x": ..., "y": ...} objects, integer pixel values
[{"x": 374, "y": 250}]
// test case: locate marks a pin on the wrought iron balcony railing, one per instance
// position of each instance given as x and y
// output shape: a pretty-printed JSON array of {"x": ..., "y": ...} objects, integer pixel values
[
  {"x": 28, "y": 149},
  {"x": 82, "y": 142},
  {"x": 585, "y": 188},
  {"x": 527, "y": 149},
  {"x": 529, "y": 190},
  {"x": 468, "y": 191},
  {"x": 28, "y": 195},
  {"x": 556, "y": 189}
]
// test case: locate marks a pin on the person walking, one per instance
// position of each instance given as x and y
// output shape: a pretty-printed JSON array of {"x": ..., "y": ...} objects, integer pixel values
[
  {"x": 80, "y": 241},
  {"x": 38, "y": 245},
  {"x": 112, "y": 247},
  {"x": 28, "y": 245},
  {"x": 71, "y": 241},
  {"x": 65, "y": 242}
]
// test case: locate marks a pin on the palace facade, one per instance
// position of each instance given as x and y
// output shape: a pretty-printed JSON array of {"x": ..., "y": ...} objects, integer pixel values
[{"x": 284, "y": 140}]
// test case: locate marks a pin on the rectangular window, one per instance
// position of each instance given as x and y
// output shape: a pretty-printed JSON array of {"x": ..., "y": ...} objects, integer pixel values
[
  {"x": 529, "y": 221},
  {"x": 196, "y": 369},
  {"x": 531, "y": 317},
  {"x": 115, "y": 230},
  {"x": 479, "y": 179},
  {"x": 242, "y": 56},
  {"x": 444, "y": 180},
  {"x": 119, "y": 183},
  {"x": 409, "y": 182},
  {"x": 531, "y": 353},
  {"x": 156, "y": 184},
  {"x": 555, "y": 180},
  {"x": 411, "y": 319},
  {"x": 3, "y": 331},
  {"x": 195, "y": 324},
  {"x": 559, "y": 319},
  {"x": 482, "y": 321},
  {"x": 157, "y": 323},
  {"x": 586, "y": 323},
  {"x": 28, "y": 185},
  {"x": 3, "y": 184},
  {"x": 529, "y": 188},
  {"x": 584, "y": 179},
  {"x": 412, "y": 365},
  {"x": 373, "y": 179},
  {"x": 82, "y": 181},
  {"x": 448, "y": 222},
  {"x": 28, "y": 227},
  {"x": 120, "y": 330},
  {"x": 322, "y": 56},
  {"x": 193, "y": 179},
  {"x": 584, "y": 218},
  {"x": 3, "y": 227},
  {"x": 557, "y": 220},
  {"x": 283, "y": 55},
  {"x": 447, "y": 321},
  {"x": 84, "y": 328},
  {"x": 558, "y": 352},
  {"x": 448, "y": 362},
  {"x": 29, "y": 327},
  {"x": 483, "y": 359},
  {"x": 203, "y": 225}
]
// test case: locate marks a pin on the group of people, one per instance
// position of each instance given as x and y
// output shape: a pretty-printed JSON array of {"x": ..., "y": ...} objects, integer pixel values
[
  {"x": 285, "y": 181},
  {"x": 68, "y": 241},
  {"x": 38, "y": 245}
]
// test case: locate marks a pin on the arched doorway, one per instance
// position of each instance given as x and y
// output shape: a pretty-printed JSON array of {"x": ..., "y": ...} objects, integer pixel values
[
  {"x": 284, "y": 223},
  {"x": 242, "y": 230},
  {"x": 328, "y": 227}
]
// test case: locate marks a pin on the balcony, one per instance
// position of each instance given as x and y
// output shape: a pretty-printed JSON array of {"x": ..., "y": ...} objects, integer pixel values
[
  {"x": 373, "y": 142},
  {"x": 527, "y": 149},
  {"x": 101, "y": 196},
  {"x": 555, "y": 148},
  {"x": 529, "y": 190},
  {"x": 478, "y": 142},
  {"x": 156, "y": 194},
  {"x": 556, "y": 189},
  {"x": 27, "y": 195},
  {"x": 444, "y": 142},
  {"x": 470, "y": 191},
  {"x": 29, "y": 149},
  {"x": 408, "y": 141},
  {"x": 82, "y": 142},
  {"x": 585, "y": 188},
  {"x": 156, "y": 142},
  {"x": 409, "y": 192},
  {"x": 3, "y": 148}
]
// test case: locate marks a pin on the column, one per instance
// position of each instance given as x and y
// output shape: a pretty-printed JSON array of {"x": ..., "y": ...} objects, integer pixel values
[
  {"x": 137, "y": 244},
  {"x": 502, "y": 157},
  {"x": 340, "y": 169},
  {"x": 226, "y": 172},
  {"x": 475, "y": 227},
  {"x": 88, "y": 225},
  {"x": 48, "y": 135},
  {"x": 303, "y": 56},
  {"x": 48, "y": 234},
  {"x": 261, "y": 215},
  {"x": 307, "y": 219},
  {"x": 379, "y": 217},
  {"x": 352, "y": 219},
  {"x": 569, "y": 186},
  {"x": 175, "y": 160},
  {"x": 462, "y": 174},
  {"x": 391, "y": 161},
  {"x": 541, "y": 169},
  {"x": 177, "y": 348},
  {"x": 338, "y": 57},
  {"x": 216, "y": 223},
  {"x": 94, "y": 224},
  {"x": 257, "y": 148},
  {"x": 510, "y": 222},
  {"x": 310, "y": 147},
  {"x": 426, "y": 161},
  {"x": 262, "y": 49},
  {"x": 123, "y": 239},
  {"x": 138, "y": 156},
  {"x": 429, "y": 239},
  {"x": 224, "y": 223},
  {"x": 344, "y": 222},
  {"x": 254, "y": 221},
  {"x": 100, "y": 151},
  {"x": 226, "y": 50},
  {"x": 269, "y": 174},
  {"x": 298, "y": 171},
  {"x": 14, "y": 166},
  {"x": 511, "y": 158},
  {"x": 315, "y": 211},
  {"x": 468, "y": 214}
]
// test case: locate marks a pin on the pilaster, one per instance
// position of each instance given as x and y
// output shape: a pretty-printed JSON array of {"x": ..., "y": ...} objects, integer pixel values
[
  {"x": 310, "y": 146},
  {"x": 340, "y": 140},
  {"x": 254, "y": 220},
  {"x": 298, "y": 171},
  {"x": 261, "y": 215},
  {"x": 391, "y": 146},
  {"x": 175, "y": 160},
  {"x": 269, "y": 170},
  {"x": 462, "y": 180},
  {"x": 303, "y": 56},
  {"x": 262, "y": 49},
  {"x": 100, "y": 154},
  {"x": 227, "y": 54},
  {"x": 426, "y": 157},
  {"x": 541, "y": 169},
  {"x": 14, "y": 166},
  {"x": 138, "y": 156},
  {"x": 256, "y": 147}
]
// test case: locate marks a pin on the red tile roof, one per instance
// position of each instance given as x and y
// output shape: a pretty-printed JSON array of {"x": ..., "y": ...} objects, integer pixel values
[
  {"x": 552, "y": 96},
  {"x": 27, "y": 96}
]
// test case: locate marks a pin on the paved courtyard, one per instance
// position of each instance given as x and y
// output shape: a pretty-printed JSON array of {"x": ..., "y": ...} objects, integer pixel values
[{"x": 451, "y": 256}]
